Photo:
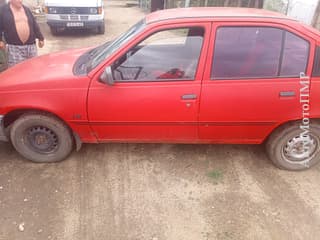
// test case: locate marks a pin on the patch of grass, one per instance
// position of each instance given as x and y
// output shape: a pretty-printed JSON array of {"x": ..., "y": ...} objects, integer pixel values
[
  {"x": 215, "y": 175},
  {"x": 226, "y": 236}
]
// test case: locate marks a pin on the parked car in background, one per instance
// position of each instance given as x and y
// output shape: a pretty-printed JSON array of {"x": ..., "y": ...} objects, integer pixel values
[
  {"x": 198, "y": 75},
  {"x": 75, "y": 14}
]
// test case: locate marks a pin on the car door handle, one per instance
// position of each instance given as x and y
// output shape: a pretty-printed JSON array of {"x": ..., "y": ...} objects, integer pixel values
[
  {"x": 189, "y": 97},
  {"x": 287, "y": 94}
]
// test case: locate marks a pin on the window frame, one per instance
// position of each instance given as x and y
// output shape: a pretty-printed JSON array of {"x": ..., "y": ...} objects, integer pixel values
[
  {"x": 316, "y": 62},
  {"x": 263, "y": 25},
  {"x": 149, "y": 34}
]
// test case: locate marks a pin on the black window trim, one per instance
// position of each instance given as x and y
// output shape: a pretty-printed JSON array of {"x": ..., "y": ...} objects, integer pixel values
[
  {"x": 284, "y": 32},
  {"x": 283, "y": 41},
  {"x": 316, "y": 62},
  {"x": 174, "y": 79}
]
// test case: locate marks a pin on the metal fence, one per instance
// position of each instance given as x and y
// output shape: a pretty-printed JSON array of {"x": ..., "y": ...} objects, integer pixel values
[
  {"x": 145, "y": 4},
  {"x": 299, "y": 9},
  {"x": 305, "y": 11}
]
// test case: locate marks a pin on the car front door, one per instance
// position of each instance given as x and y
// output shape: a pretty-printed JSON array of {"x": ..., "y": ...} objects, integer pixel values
[
  {"x": 156, "y": 90},
  {"x": 252, "y": 82}
]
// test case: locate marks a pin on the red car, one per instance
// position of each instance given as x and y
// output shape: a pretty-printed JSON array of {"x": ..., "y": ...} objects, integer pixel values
[{"x": 198, "y": 75}]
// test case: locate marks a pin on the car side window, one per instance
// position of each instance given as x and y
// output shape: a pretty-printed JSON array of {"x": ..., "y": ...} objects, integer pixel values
[
  {"x": 165, "y": 55},
  {"x": 295, "y": 55},
  {"x": 258, "y": 52}
]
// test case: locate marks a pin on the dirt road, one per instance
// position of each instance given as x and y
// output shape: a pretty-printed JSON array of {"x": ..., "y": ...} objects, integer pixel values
[{"x": 153, "y": 191}]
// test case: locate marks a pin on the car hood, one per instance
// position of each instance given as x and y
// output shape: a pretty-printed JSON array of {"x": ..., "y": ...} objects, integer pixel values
[
  {"x": 74, "y": 3},
  {"x": 43, "y": 72}
]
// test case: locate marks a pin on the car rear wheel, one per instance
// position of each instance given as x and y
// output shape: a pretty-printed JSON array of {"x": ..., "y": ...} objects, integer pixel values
[
  {"x": 41, "y": 138},
  {"x": 54, "y": 31},
  {"x": 290, "y": 149}
]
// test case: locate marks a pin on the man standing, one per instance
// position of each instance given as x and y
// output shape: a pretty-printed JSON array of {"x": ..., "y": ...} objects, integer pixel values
[{"x": 20, "y": 31}]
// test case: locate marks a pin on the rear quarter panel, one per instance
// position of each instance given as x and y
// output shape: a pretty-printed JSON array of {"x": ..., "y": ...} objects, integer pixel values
[{"x": 315, "y": 98}]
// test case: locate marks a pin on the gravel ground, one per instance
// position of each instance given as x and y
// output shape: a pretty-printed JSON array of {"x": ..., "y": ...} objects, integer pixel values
[{"x": 153, "y": 191}]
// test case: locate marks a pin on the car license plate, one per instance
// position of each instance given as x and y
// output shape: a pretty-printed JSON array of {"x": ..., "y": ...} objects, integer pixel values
[{"x": 75, "y": 24}]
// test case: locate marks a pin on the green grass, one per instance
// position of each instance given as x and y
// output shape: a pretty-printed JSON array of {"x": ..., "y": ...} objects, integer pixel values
[{"x": 215, "y": 175}]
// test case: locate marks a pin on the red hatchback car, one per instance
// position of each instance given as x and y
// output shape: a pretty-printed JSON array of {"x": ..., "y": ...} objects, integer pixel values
[{"x": 197, "y": 75}]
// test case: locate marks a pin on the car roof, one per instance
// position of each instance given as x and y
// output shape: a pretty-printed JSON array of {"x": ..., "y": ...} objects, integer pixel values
[{"x": 212, "y": 12}]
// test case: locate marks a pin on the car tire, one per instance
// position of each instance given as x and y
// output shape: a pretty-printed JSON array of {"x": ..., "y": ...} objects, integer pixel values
[
  {"x": 289, "y": 150},
  {"x": 41, "y": 138},
  {"x": 54, "y": 31},
  {"x": 101, "y": 29}
]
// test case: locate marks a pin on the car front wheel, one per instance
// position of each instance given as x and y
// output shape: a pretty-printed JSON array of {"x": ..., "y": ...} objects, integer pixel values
[
  {"x": 41, "y": 138},
  {"x": 291, "y": 149},
  {"x": 101, "y": 29}
]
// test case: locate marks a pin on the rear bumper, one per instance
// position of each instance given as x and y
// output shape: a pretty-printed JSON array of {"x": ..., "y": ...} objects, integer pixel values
[
  {"x": 64, "y": 24},
  {"x": 3, "y": 136}
]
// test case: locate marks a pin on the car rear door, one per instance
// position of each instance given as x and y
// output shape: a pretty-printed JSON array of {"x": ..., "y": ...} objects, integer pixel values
[
  {"x": 252, "y": 80},
  {"x": 155, "y": 96}
]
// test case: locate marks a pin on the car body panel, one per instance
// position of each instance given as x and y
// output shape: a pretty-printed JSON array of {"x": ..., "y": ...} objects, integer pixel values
[
  {"x": 236, "y": 110},
  {"x": 315, "y": 98},
  {"x": 224, "y": 111},
  {"x": 56, "y": 90},
  {"x": 148, "y": 111}
]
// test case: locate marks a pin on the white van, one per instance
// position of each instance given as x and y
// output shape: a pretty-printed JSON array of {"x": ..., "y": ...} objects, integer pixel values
[{"x": 63, "y": 14}]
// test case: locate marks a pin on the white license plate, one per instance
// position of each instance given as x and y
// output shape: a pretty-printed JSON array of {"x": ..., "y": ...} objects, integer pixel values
[{"x": 75, "y": 24}]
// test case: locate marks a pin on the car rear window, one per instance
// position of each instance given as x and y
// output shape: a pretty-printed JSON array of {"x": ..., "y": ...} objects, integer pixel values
[{"x": 258, "y": 52}]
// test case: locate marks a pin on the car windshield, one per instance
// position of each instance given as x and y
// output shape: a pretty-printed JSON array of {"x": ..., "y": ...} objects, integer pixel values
[{"x": 102, "y": 52}]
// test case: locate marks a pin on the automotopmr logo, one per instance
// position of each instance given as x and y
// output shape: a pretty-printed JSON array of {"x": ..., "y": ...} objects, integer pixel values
[{"x": 307, "y": 140}]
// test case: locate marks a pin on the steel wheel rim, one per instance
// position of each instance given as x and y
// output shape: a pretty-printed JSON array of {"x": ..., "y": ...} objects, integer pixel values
[
  {"x": 301, "y": 149},
  {"x": 42, "y": 140}
]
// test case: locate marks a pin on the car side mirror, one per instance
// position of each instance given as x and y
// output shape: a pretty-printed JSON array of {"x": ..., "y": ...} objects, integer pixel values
[{"x": 106, "y": 77}]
